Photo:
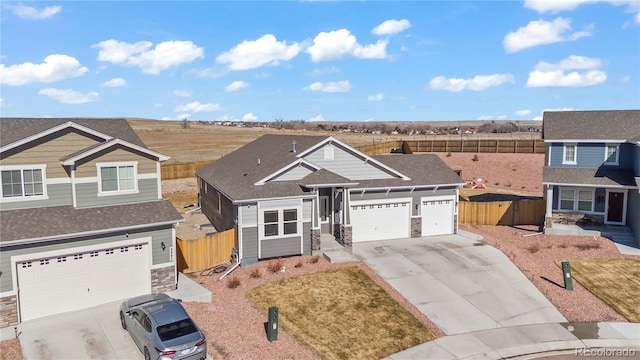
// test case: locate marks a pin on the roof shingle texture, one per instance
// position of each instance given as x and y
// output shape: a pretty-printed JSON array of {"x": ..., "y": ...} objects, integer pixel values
[
  {"x": 592, "y": 125},
  {"x": 588, "y": 176},
  {"x": 54, "y": 221},
  {"x": 14, "y": 129},
  {"x": 236, "y": 173}
]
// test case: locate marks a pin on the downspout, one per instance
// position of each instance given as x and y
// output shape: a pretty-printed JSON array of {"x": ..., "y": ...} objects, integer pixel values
[{"x": 234, "y": 254}]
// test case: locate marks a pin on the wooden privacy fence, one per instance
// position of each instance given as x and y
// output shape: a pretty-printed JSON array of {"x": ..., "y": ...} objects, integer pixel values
[
  {"x": 180, "y": 170},
  {"x": 532, "y": 146},
  {"x": 522, "y": 212},
  {"x": 205, "y": 252}
]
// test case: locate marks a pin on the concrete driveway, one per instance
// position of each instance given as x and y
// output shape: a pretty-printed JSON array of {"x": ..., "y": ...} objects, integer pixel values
[
  {"x": 93, "y": 333},
  {"x": 460, "y": 284}
]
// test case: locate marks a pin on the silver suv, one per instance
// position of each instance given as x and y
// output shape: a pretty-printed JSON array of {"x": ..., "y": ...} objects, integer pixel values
[{"x": 162, "y": 329}]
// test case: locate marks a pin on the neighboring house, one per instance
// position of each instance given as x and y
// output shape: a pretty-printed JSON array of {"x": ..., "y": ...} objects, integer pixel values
[
  {"x": 592, "y": 168},
  {"x": 82, "y": 220},
  {"x": 281, "y": 192}
]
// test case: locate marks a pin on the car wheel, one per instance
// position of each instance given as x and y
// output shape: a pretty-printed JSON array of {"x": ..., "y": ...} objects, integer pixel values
[
  {"x": 146, "y": 354},
  {"x": 122, "y": 322}
]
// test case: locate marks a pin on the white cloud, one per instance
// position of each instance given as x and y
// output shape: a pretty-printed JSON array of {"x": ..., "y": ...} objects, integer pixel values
[
  {"x": 391, "y": 27},
  {"x": 556, "y": 6},
  {"x": 523, "y": 112},
  {"x": 541, "y": 32},
  {"x": 485, "y": 117},
  {"x": 28, "y": 12},
  {"x": 637, "y": 18},
  {"x": 330, "y": 87},
  {"x": 196, "y": 106},
  {"x": 376, "y": 97},
  {"x": 335, "y": 45},
  {"x": 267, "y": 50},
  {"x": 1, "y": 102},
  {"x": 115, "y": 82},
  {"x": 324, "y": 71},
  {"x": 183, "y": 116},
  {"x": 182, "y": 93},
  {"x": 249, "y": 117},
  {"x": 54, "y": 68},
  {"x": 150, "y": 60},
  {"x": 235, "y": 86},
  {"x": 316, "y": 118},
  {"x": 69, "y": 96},
  {"x": 553, "y": 75},
  {"x": 501, "y": 117},
  {"x": 157, "y": 105},
  {"x": 625, "y": 79},
  {"x": 477, "y": 83}
]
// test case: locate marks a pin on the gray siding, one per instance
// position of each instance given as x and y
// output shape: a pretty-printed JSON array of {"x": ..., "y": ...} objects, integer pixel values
[
  {"x": 346, "y": 164},
  {"x": 87, "y": 195},
  {"x": 280, "y": 247},
  {"x": 295, "y": 173},
  {"x": 158, "y": 235},
  {"x": 636, "y": 160},
  {"x": 250, "y": 242},
  {"x": 249, "y": 215},
  {"x": 307, "y": 209},
  {"x": 283, "y": 203},
  {"x": 306, "y": 238},
  {"x": 633, "y": 213},
  {"x": 216, "y": 207},
  {"x": 59, "y": 194},
  {"x": 599, "y": 199},
  {"x": 396, "y": 194},
  {"x": 591, "y": 155}
]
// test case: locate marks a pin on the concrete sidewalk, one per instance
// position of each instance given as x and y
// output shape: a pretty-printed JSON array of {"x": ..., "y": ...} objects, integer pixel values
[{"x": 529, "y": 342}]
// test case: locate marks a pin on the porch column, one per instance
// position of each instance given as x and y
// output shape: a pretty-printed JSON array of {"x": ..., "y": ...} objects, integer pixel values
[{"x": 549, "y": 204}]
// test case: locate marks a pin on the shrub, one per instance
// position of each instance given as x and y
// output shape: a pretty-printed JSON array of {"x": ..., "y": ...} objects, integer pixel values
[
  {"x": 298, "y": 264},
  {"x": 533, "y": 248},
  {"x": 255, "y": 273},
  {"x": 562, "y": 246},
  {"x": 275, "y": 266},
  {"x": 583, "y": 247},
  {"x": 448, "y": 153},
  {"x": 475, "y": 157},
  {"x": 233, "y": 282},
  {"x": 314, "y": 259}
]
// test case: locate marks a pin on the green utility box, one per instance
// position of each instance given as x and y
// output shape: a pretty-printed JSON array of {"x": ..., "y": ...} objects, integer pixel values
[
  {"x": 566, "y": 272},
  {"x": 272, "y": 324}
]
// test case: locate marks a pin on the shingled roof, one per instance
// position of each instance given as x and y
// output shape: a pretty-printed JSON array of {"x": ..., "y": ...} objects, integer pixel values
[
  {"x": 588, "y": 176},
  {"x": 592, "y": 125},
  {"x": 236, "y": 174},
  {"x": 16, "y": 129},
  {"x": 55, "y": 221}
]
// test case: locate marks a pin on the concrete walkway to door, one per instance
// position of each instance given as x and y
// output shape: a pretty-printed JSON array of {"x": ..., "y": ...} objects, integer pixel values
[{"x": 459, "y": 283}]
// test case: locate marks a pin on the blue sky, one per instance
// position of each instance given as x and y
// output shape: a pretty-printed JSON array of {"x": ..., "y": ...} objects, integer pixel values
[{"x": 318, "y": 60}]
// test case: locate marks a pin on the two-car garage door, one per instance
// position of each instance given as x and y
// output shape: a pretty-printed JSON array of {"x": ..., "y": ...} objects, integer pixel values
[
  {"x": 55, "y": 283},
  {"x": 391, "y": 218}
]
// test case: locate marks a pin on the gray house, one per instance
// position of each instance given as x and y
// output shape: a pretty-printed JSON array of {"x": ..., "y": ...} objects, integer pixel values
[
  {"x": 592, "y": 168},
  {"x": 82, "y": 220},
  {"x": 282, "y": 192}
]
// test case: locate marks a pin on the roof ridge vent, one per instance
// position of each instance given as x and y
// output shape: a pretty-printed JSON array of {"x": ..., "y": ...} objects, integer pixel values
[{"x": 293, "y": 146}]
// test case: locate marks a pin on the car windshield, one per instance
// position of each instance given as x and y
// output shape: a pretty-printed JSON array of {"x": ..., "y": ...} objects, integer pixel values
[{"x": 176, "y": 329}]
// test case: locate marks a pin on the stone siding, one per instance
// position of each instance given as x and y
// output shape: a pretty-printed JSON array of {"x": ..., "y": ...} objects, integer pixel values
[
  {"x": 345, "y": 236},
  {"x": 576, "y": 219},
  {"x": 8, "y": 311},
  {"x": 315, "y": 239},
  {"x": 163, "y": 279},
  {"x": 416, "y": 227}
]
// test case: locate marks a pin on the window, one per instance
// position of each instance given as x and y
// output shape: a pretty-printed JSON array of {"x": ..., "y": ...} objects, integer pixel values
[
  {"x": 271, "y": 223},
  {"x": 23, "y": 183},
  {"x": 280, "y": 222},
  {"x": 117, "y": 178},
  {"x": 576, "y": 200},
  {"x": 570, "y": 154},
  {"x": 611, "y": 154}
]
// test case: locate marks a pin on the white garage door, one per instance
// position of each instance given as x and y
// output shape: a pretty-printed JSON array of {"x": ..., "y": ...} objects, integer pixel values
[
  {"x": 376, "y": 220},
  {"x": 61, "y": 283},
  {"x": 437, "y": 215}
]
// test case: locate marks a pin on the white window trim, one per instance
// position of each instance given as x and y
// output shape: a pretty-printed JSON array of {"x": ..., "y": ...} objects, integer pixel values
[
  {"x": 606, "y": 158},
  {"x": 575, "y": 154},
  {"x": 135, "y": 189},
  {"x": 576, "y": 199},
  {"x": 44, "y": 196},
  {"x": 280, "y": 211}
]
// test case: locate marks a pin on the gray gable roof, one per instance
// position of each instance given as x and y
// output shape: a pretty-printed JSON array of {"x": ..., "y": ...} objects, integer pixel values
[
  {"x": 588, "y": 176},
  {"x": 48, "y": 222},
  {"x": 236, "y": 173},
  {"x": 15, "y": 129},
  {"x": 324, "y": 176},
  {"x": 592, "y": 125}
]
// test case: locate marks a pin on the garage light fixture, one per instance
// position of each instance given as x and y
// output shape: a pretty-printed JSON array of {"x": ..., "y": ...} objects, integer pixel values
[{"x": 163, "y": 246}]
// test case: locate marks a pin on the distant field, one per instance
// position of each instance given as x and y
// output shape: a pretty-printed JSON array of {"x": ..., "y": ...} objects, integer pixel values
[{"x": 209, "y": 142}]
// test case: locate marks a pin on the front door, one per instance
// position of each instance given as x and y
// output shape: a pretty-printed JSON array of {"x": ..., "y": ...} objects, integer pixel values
[{"x": 616, "y": 207}]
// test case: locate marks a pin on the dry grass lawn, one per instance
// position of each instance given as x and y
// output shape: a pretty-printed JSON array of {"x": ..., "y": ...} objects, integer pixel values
[
  {"x": 181, "y": 199},
  {"x": 614, "y": 281},
  {"x": 342, "y": 313}
]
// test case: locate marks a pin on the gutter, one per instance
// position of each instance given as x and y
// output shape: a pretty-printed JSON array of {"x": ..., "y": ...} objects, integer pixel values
[{"x": 84, "y": 233}]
